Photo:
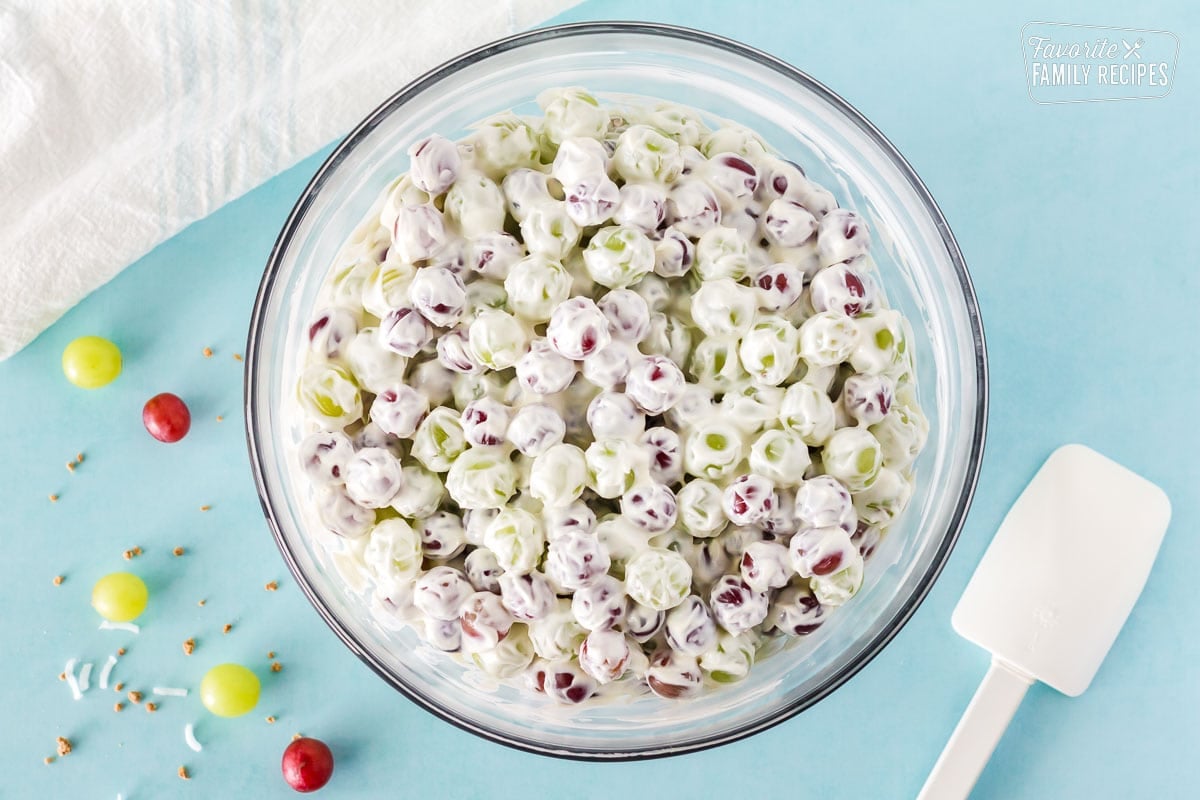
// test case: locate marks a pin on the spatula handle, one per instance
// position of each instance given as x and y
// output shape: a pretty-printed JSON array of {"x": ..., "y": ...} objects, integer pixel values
[{"x": 982, "y": 724}]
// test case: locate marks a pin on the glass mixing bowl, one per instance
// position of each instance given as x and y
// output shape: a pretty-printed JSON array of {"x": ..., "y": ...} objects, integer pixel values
[{"x": 922, "y": 271}]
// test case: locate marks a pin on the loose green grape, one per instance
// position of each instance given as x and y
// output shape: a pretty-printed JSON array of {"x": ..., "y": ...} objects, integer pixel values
[
  {"x": 120, "y": 596},
  {"x": 90, "y": 362},
  {"x": 229, "y": 690}
]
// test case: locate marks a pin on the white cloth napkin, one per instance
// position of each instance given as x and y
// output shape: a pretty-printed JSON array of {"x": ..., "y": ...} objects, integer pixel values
[{"x": 123, "y": 122}]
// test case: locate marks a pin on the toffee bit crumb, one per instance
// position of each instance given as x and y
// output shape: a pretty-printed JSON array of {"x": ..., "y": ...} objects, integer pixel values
[
  {"x": 64, "y": 746},
  {"x": 120, "y": 687},
  {"x": 53, "y": 498},
  {"x": 227, "y": 628},
  {"x": 296, "y": 736},
  {"x": 276, "y": 666},
  {"x": 120, "y": 651},
  {"x": 189, "y": 646},
  {"x": 118, "y": 706},
  {"x": 151, "y": 707},
  {"x": 137, "y": 551},
  {"x": 48, "y": 760},
  {"x": 135, "y": 697},
  {"x": 237, "y": 356},
  {"x": 270, "y": 654},
  {"x": 127, "y": 555},
  {"x": 178, "y": 551},
  {"x": 62, "y": 676},
  {"x": 220, "y": 418},
  {"x": 205, "y": 508},
  {"x": 207, "y": 352},
  {"x": 201, "y": 603},
  {"x": 58, "y": 579},
  {"x": 183, "y": 773},
  {"x": 271, "y": 720},
  {"x": 79, "y": 458},
  {"x": 71, "y": 466},
  {"x": 271, "y": 586}
]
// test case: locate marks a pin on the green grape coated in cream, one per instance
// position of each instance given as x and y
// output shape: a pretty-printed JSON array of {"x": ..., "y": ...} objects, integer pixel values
[{"x": 608, "y": 397}]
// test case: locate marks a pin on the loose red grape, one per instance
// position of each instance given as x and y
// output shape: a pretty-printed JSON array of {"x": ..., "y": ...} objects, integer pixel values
[
  {"x": 166, "y": 417},
  {"x": 307, "y": 764}
]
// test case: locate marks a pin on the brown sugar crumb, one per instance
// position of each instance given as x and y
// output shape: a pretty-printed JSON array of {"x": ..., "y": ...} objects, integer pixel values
[
  {"x": 178, "y": 551},
  {"x": 205, "y": 508},
  {"x": 183, "y": 773},
  {"x": 237, "y": 356},
  {"x": 120, "y": 687},
  {"x": 70, "y": 466},
  {"x": 189, "y": 646},
  {"x": 201, "y": 603},
  {"x": 270, "y": 654},
  {"x": 127, "y": 555},
  {"x": 220, "y": 418},
  {"x": 135, "y": 697},
  {"x": 271, "y": 720},
  {"x": 276, "y": 666},
  {"x": 79, "y": 458},
  {"x": 137, "y": 551},
  {"x": 120, "y": 651},
  {"x": 53, "y": 498},
  {"x": 64, "y": 746},
  {"x": 118, "y": 706},
  {"x": 296, "y": 736},
  {"x": 227, "y": 628},
  {"x": 151, "y": 707},
  {"x": 48, "y": 760},
  {"x": 207, "y": 352},
  {"x": 58, "y": 579},
  {"x": 62, "y": 676},
  {"x": 271, "y": 586}
]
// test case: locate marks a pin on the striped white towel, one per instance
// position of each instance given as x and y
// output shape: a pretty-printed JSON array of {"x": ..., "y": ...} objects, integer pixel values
[{"x": 124, "y": 122}]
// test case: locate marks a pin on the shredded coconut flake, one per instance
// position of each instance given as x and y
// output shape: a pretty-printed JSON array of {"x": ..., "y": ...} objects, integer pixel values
[
  {"x": 106, "y": 670},
  {"x": 71, "y": 681},
  {"x": 85, "y": 677},
  {"x": 119, "y": 626},
  {"x": 189, "y": 736},
  {"x": 167, "y": 691}
]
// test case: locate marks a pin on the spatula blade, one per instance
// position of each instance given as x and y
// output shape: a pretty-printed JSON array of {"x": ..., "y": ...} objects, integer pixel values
[{"x": 1065, "y": 568}]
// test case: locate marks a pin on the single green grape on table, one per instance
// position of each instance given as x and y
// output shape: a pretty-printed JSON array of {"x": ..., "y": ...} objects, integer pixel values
[
  {"x": 90, "y": 362},
  {"x": 229, "y": 690},
  {"x": 120, "y": 596}
]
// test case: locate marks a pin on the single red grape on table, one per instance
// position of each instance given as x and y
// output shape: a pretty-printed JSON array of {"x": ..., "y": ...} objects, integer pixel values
[
  {"x": 166, "y": 417},
  {"x": 307, "y": 764}
]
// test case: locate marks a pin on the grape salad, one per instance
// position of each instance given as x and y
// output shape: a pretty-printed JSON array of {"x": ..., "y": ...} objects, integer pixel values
[{"x": 607, "y": 396}]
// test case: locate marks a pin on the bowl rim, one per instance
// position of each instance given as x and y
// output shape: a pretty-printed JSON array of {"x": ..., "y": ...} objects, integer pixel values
[{"x": 978, "y": 435}]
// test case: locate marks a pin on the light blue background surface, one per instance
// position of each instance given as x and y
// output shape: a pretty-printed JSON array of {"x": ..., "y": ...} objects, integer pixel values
[{"x": 1079, "y": 226}]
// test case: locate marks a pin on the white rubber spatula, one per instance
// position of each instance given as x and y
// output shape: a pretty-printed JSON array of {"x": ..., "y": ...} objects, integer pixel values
[{"x": 1050, "y": 595}]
